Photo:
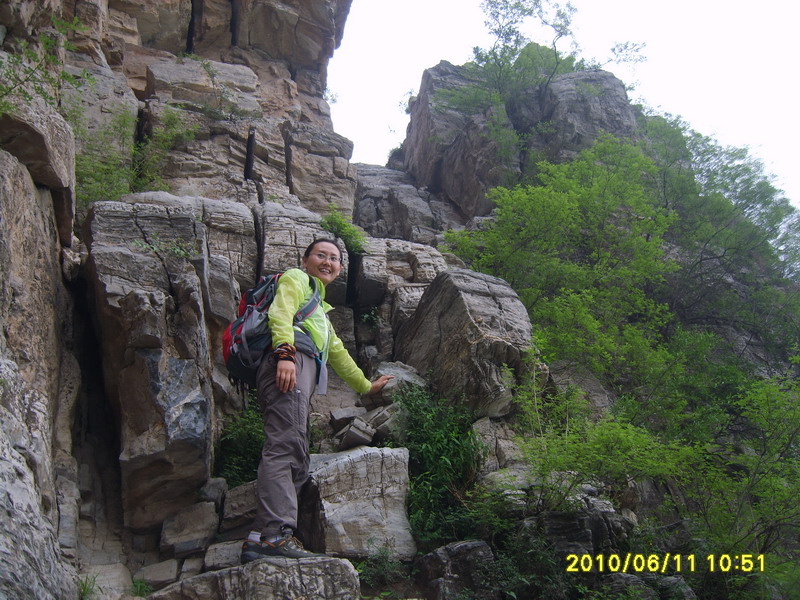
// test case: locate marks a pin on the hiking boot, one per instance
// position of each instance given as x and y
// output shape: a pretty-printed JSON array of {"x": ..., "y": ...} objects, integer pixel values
[{"x": 286, "y": 547}]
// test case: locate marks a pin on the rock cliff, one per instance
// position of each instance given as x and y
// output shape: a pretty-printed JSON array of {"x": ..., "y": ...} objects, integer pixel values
[{"x": 111, "y": 377}]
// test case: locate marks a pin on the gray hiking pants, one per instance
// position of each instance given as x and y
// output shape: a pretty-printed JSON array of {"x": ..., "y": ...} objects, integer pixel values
[{"x": 284, "y": 458}]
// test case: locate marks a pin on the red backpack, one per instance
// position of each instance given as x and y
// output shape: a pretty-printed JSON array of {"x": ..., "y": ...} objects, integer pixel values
[{"x": 248, "y": 338}]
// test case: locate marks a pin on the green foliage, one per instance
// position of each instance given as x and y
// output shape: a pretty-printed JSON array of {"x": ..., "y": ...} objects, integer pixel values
[
  {"x": 110, "y": 163},
  {"x": 88, "y": 589},
  {"x": 379, "y": 569},
  {"x": 581, "y": 249},
  {"x": 239, "y": 451},
  {"x": 444, "y": 457},
  {"x": 141, "y": 588},
  {"x": 569, "y": 447},
  {"x": 37, "y": 70},
  {"x": 177, "y": 248},
  {"x": 353, "y": 238},
  {"x": 746, "y": 486},
  {"x": 103, "y": 165},
  {"x": 735, "y": 231},
  {"x": 150, "y": 155}
]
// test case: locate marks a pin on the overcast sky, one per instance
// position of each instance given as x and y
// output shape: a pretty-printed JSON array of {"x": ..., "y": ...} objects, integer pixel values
[{"x": 727, "y": 67}]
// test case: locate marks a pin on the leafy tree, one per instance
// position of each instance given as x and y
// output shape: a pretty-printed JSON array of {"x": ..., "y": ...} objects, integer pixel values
[
  {"x": 581, "y": 249},
  {"x": 734, "y": 231}
]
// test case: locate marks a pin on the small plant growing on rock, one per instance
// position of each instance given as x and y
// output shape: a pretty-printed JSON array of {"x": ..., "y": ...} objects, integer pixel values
[
  {"x": 239, "y": 450},
  {"x": 354, "y": 239},
  {"x": 37, "y": 71},
  {"x": 87, "y": 587},
  {"x": 141, "y": 588}
]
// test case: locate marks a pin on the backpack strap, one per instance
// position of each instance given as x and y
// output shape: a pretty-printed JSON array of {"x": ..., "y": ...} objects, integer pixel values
[{"x": 309, "y": 307}]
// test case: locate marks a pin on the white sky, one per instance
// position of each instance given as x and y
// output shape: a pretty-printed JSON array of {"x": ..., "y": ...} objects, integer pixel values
[{"x": 727, "y": 67}]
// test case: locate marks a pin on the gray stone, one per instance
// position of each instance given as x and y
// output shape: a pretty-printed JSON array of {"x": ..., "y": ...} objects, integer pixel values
[
  {"x": 342, "y": 416},
  {"x": 467, "y": 329},
  {"x": 159, "y": 574},
  {"x": 452, "y": 570},
  {"x": 356, "y": 433},
  {"x": 149, "y": 298},
  {"x": 328, "y": 578},
  {"x": 579, "y": 107},
  {"x": 240, "y": 507},
  {"x": 214, "y": 491},
  {"x": 389, "y": 205},
  {"x": 190, "y": 531},
  {"x": 404, "y": 377},
  {"x": 222, "y": 555},
  {"x": 356, "y": 503}
]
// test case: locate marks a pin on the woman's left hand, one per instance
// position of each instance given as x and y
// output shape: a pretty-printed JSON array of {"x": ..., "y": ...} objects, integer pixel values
[{"x": 380, "y": 383}]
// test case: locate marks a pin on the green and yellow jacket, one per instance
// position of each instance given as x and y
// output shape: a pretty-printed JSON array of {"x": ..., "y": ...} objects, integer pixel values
[{"x": 294, "y": 290}]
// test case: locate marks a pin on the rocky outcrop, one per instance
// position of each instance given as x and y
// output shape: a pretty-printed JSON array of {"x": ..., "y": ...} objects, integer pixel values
[
  {"x": 38, "y": 377},
  {"x": 389, "y": 205},
  {"x": 450, "y": 153},
  {"x": 42, "y": 141},
  {"x": 329, "y": 578},
  {"x": 466, "y": 329},
  {"x": 148, "y": 296},
  {"x": 578, "y": 108},
  {"x": 459, "y": 157}
]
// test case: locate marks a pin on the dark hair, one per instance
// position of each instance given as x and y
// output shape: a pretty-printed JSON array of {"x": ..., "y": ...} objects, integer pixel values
[{"x": 310, "y": 248}]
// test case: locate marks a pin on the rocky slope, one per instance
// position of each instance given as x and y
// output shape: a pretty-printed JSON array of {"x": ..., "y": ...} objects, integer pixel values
[{"x": 111, "y": 378}]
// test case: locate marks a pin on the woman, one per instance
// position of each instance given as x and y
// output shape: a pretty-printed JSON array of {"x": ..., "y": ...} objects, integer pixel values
[{"x": 287, "y": 379}]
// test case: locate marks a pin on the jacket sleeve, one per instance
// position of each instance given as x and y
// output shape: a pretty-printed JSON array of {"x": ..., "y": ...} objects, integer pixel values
[
  {"x": 292, "y": 287},
  {"x": 344, "y": 365}
]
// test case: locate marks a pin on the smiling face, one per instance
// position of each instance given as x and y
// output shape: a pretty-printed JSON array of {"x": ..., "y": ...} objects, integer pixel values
[{"x": 319, "y": 264}]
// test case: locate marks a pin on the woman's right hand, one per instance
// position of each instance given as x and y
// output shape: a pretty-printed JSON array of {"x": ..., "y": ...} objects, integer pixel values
[{"x": 286, "y": 377}]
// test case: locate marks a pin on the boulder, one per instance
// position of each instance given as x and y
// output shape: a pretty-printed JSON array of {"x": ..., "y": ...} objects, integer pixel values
[
  {"x": 388, "y": 264},
  {"x": 223, "y": 555},
  {"x": 404, "y": 376},
  {"x": 190, "y": 531},
  {"x": 620, "y": 585},
  {"x": 356, "y": 503},
  {"x": 467, "y": 329},
  {"x": 240, "y": 507},
  {"x": 454, "y": 570},
  {"x": 159, "y": 574},
  {"x": 498, "y": 439},
  {"x": 148, "y": 295},
  {"x": 324, "y": 578}
]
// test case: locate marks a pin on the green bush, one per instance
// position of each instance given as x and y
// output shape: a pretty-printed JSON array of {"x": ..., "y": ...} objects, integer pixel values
[
  {"x": 141, "y": 588},
  {"x": 110, "y": 163},
  {"x": 239, "y": 449},
  {"x": 444, "y": 458},
  {"x": 353, "y": 238}
]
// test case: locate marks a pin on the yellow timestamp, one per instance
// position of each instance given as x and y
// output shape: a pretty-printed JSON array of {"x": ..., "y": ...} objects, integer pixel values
[{"x": 665, "y": 563}]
